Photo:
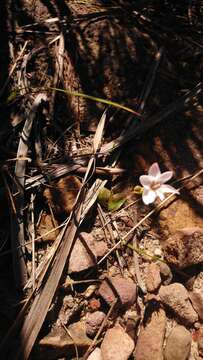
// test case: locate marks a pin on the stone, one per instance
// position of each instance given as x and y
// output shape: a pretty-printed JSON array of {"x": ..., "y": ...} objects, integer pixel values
[
  {"x": 178, "y": 344},
  {"x": 93, "y": 322},
  {"x": 153, "y": 278},
  {"x": 200, "y": 342},
  {"x": 184, "y": 248},
  {"x": 84, "y": 253},
  {"x": 117, "y": 345},
  {"x": 118, "y": 287},
  {"x": 176, "y": 297},
  {"x": 165, "y": 272},
  {"x": 197, "y": 303},
  {"x": 181, "y": 213},
  {"x": 150, "y": 340},
  {"x": 95, "y": 355},
  {"x": 56, "y": 345}
]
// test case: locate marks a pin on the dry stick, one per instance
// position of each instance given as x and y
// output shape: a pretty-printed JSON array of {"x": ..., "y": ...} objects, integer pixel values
[
  {"x": 17, "y": 230},
  {"x": 55, "y": 171},
  {"x": 32, "y": 236},
  {"x": 43, "y": 299},
  {"x": 125, "y": 239},
  {"x": 100, "y": 330},
  {"x": 150, "y": 122}
]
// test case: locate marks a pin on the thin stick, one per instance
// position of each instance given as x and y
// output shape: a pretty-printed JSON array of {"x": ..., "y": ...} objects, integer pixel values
[
  {"x": 124, "y": 240},
  {"x": 100, "y": 330}
]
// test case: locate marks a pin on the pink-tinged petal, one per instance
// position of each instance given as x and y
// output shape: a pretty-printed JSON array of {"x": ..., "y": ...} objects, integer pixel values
[
  {"x": 146, "y": 180},
  {"x": 167, "y": 175},
  {"x": 160, "y": 194},
  {"x": 164, "y": 188},
  {"x": 154, "y": 170},
  {"x": 148, "y": 196}
]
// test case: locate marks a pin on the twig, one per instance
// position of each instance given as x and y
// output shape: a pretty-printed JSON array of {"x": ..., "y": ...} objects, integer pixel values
[
  {"x": 17, "y": 233},
  {"x": 100, "y": 330},
  {"x": 125, "y": 239}
]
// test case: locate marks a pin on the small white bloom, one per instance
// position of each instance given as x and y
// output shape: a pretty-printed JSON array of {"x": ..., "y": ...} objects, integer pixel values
[{"x": 154, "y": 184}]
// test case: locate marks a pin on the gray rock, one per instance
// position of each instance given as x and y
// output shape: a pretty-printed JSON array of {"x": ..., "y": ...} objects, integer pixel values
[
  {"x": 85, "y": 252},
  {"x": 93, "y": 322},
  {"x": 184, "y": 248},
  {"x": 150, "y": 340},
  {"x": 176, "y": 297},
  {"x": 117, "y": 345},
  {"x": 178, "y": 344},
  {"x": 120, "y": 288}
]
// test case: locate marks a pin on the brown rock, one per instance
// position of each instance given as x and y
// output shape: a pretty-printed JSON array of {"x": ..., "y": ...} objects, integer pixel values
[
  {"x": 93, "y": 322},
  {"x": 56, "y": 345},
  {"x": 117, "y": 345},
  {"x": 181, "y": 214},
  {"x": 176, "y": 297},
  {"x": 153, "y": 278},
  {"x": 95, "y": 355},
  {"x": 118, "y": 287},
  {"x": 200, "y": 342},
  {"x": 197, "y": 303},
  {"x": 178, "y": 344},
  {"x": 165, "y": 271},
  {"x": 84, "y": 253},
  {"x": 184, "y": 248},
  {"x": 151, "y": 337}
]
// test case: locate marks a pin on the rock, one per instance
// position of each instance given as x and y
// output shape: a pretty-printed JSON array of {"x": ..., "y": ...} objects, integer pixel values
[
  {"x": 178, "y": 344},
  {"x": 181, "y": 213},
  {"x": 56, "y": 345},
  {"x": 117, "y": 345},
  {"x": 165, "y": 271},
  {"x": 84, "y": 253},
  {"x": 93, "y": 322},
  {"x": 197, "y": 303},
  {"x": 200, "y": 342},
  {"x": 176, "y": 297},
  {"x": 198, "y": 283},
  {"x": 153, "y": 278},
  {"x": 184, "y": 248},
  {"x": 151, "y": 337},
  {"x": 118, "y": 287},
  {"x": 95, "y": 355}
]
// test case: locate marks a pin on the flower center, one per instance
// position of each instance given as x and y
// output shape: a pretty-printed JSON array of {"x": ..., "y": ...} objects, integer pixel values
[{"x": 155, "y": 185}]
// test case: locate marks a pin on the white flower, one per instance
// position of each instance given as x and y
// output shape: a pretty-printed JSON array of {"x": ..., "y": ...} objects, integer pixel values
[{"x": 154, "y": 184}]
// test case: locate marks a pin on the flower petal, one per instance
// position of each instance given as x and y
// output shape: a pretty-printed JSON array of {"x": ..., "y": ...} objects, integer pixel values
[
  {"x": 154, "y": 170},
  {"x": 148, "y": 196},
  {"x": 167, "y": 175},
  {"x": 146, "y": 180},
  {"x": 160, "y": 194},
  {"x": 164, "y": 188}
]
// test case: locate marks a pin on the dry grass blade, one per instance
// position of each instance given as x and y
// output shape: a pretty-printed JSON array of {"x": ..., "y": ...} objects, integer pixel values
[
  {"x": 146, "y": 125},
  {"x": 48, "y": 286},
  {"x": 99, "y": 133},
  {"x": 17, "y": 229},
  {"x": 13, "y": 68}
]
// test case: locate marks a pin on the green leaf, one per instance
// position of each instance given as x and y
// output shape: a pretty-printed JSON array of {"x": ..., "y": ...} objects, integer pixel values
[
  {"x": 103, "y": 197},
  {"x": 116, "y": 201},
  {"x": 97, "y": 99}
]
